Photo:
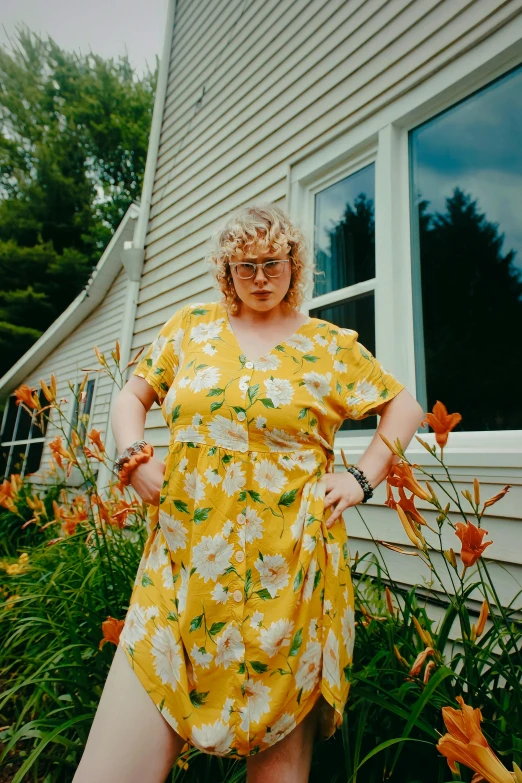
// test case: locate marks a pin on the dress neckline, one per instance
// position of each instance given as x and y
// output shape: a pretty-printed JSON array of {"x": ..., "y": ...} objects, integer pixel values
[{"x": 269, "y": 352}]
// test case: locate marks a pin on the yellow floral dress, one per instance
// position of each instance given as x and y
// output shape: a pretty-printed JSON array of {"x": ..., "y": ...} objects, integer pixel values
[{"x": 241, "y": 613}]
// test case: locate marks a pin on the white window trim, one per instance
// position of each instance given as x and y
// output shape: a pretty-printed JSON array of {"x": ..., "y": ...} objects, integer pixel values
[
  {"x": 21, "y": 442},
  {"x": 385, "y": 135}
]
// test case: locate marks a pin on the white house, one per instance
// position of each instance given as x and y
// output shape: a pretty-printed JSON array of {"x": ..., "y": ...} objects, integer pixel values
[{"x": 390, "y": 131}]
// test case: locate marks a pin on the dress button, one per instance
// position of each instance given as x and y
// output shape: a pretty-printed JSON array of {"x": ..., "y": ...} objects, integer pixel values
[
  {"x": 240, "y": 556},
  {"x": 249, "y": 365},
  {"x": 241, "y": 415},
  {"x": 240, "y": 519},
  {"x": 238, "y": 595}
]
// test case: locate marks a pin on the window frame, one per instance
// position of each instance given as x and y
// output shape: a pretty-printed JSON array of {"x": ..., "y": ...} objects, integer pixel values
[
  {"x": 21, "y": 441},
  {"x": 385, "y": 133}
]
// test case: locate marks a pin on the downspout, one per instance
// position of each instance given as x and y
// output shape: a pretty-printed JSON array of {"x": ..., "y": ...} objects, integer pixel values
[{"x": 133, "y": 254}]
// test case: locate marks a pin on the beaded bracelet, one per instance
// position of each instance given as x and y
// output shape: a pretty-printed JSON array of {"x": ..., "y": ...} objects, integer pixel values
[
  {"x": 142, "y": 456},
  {"x": 363, "y": 481}
]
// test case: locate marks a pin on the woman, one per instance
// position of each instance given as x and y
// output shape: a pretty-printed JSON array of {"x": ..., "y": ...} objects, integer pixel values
[{"x": 239, "y": 635}]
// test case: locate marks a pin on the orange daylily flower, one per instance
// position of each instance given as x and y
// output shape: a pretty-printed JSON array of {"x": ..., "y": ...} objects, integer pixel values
[
  {"x": 397, "y": 548},
  {"x": 465, "y": 743},
  {"x": 472, "y": 546},
  {"x": 441, "y": 422},
  {"x": 401, "y": 475},
  {"x": 408, "y": 506},
  {"x": 58, "y": 451},
  {"x": 24, "y": 394},
  {"x": 410, "y": 529},
  {"x": 390, "y": 500},
  {"x": 95, "y": 438},
  {"x": 112, "y": 629},
  {"x": 419, "y": 661},
  {"x": 478, "y": 629},
  {"x": 427, "y": 671},
  {"x": 496, "y": 498}
]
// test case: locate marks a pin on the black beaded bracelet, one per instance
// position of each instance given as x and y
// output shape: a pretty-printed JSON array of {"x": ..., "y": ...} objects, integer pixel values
[{"x": 363, "y": 481}]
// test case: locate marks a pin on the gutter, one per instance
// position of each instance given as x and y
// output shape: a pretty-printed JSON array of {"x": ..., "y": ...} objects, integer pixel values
[{"x": 133, "y": 256}]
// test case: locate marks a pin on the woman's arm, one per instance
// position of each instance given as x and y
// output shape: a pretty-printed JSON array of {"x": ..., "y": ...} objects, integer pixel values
[
  {"x": 128, "y": 425},
  {"x": 400, "y": 418}
]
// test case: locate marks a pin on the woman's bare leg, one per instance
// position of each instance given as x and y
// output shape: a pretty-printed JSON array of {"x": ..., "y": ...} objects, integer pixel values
[
  {"x": 129, "y": 741},
  {"x": 290, "y": 759}
]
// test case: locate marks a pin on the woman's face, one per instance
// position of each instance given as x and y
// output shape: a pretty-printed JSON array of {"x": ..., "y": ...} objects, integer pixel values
[{"x": 262, "y": 292}]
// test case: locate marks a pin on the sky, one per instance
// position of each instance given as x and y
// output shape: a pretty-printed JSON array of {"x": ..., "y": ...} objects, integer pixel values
[{"x": 106, "y": 27}]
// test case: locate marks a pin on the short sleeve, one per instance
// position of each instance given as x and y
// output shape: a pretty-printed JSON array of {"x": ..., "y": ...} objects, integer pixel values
[
  {"x": 362, "y": 384},
  {"x": 159, "y": 364}
]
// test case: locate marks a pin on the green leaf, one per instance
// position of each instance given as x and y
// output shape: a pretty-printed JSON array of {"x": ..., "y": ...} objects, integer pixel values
[
  {"x": 298, "y": 581},
  {"x": 146, "y": 580},
  {"x": 198, "y": 697},
  {"x": 196, "y": 622},
  {"x": 258, "y": 666},
  {"x": 181, "y": 506},
  {"x": 215, "y": 392},
  {"x": 201, "y": 514},
  {"x": 287, "y": 498},
  {"x": 267, "y": 402},
  {"x": 296, "y": 643},
  {"x": 264, "y": 594},
  {"x": 216, "y": 628}
]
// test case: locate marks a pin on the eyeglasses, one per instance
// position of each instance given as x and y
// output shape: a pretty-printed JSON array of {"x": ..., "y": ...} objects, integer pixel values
[{"x": 245, "y": 270}]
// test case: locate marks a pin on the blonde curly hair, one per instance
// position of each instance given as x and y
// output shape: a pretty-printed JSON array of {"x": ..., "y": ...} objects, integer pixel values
[{"x": 254, "y": 229}]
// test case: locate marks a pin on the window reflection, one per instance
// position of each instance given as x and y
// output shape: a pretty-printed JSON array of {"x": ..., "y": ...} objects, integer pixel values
[
  {"x": 344, "y": 237},
  {"x": 466, "y": 169},
  {"x": 359, "y": 314}
]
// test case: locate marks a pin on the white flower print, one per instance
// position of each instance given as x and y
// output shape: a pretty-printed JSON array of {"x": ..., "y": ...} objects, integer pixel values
[
  {"x": 348, "y": 332},
  {"x": 183, "y": 588},
  {"x": 273, "y": 572},
  {"x": 327, "y": 605},
  {"x": 320, "y": 340},
  {"x": 335, "y": 553},
  {"x": 228, "y": 706},
  {"x": 177, "y": 342},
  {"x": 170, "y": 399},
  {"x": 169, "y": 717},
  {"x": 157, "y": 555},
  {"x": 308, "y": 586},
  {"x": 182, "y": 465},
  {"x": 197, "y": 419},
  {"x": 296, "y": 528},
  {"x": 213, "y": 737},
  {"x": 333, "y": 348},
  {"x": 302, "y": 343},
  {"x": 184, "y": 381},
  {"x": 305, "y": 459},
  {"x": 207, "y": 378},
  {"x": 235, "y": 478},
  {"x": 219, "y": 594},
  {"x": 340, "y": 366},
  {"x": 268, "y": 476},
  {"x": 260, "y": 422},
  {"x": 348, "y": 630},
  {"x": 331, "y": 660},
  {"x": 244, "y": 383},
  {"x": 251, "y": 525},
  {"x": 309, "y": 543},
  {"x": 201, "y": 657},
  {"x": 312, "y": 631},
  {"x": 194, "y": 485},
  {"x": 189, "y": 435},
  {"x": 229, "y": 646},
  {"x": 279, "y": 391},
  {"x": 173, "y": 530},
  {"x": 308, "y": 671},
  {"x": 212, "y": 476},
  {"x": 201, "y": 333},
  {"x": 317, "y": 384},
  {"x": 156, "y": 348},
  {"x": 267, "y": 363},
  {"x": 211, "y": 557},
  {"x": 276, "y": 636},
  {"x": 167, "y": 656},
  {"x": 280, "y": 440},
  {"x": 228, "y": 434},
  {"x": 280, "y": 729},
  {"x": 258, "y": 699},
  {"x": 363, "y": 392},
  {"x": 227, "y": 528},
  {"x": 168, "y": 580},
  {"x": 134, "y": 629},
  {"x": 210, "y": 350},
  {"x": 256, "y": 619}
]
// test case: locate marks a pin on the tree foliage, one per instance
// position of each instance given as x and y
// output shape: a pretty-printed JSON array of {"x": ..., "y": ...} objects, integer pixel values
[{"x": 73, "y": 143}]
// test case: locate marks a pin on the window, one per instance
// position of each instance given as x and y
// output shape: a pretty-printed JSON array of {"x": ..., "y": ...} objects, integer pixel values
[
  {"x": 85, "y": 409},
  {"x": 466, "y": 189},
  {"x": 22, "y": 439},
  {"x": 344, "y": 248}
]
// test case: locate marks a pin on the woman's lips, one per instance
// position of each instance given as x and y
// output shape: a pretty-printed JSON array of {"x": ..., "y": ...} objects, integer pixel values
[{"x": 262, "y": 293}]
